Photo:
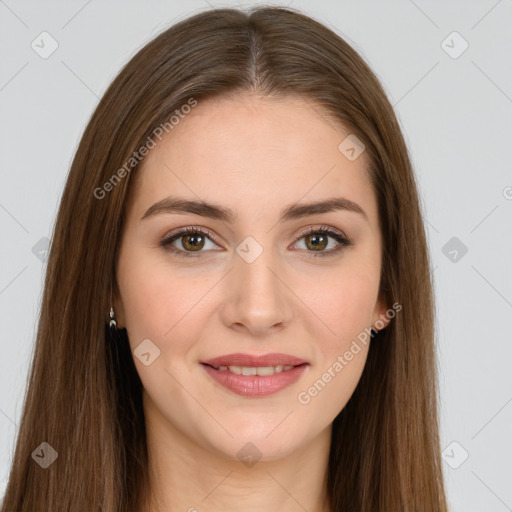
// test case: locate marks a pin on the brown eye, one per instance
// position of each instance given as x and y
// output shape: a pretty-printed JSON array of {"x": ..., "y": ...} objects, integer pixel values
[
  {"x": 316, "y": 241},
  {"x": 189, "y": 242},
  {"x": 193, "y": 242}
]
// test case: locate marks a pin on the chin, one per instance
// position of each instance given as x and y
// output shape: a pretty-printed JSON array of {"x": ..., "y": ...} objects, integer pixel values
[{"x": 252, "y": 442}]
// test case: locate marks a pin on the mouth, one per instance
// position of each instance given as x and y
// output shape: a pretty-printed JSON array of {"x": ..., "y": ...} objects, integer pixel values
[
  {"x": 250, "y": 376},
  {"x": 262, "y": 371}
]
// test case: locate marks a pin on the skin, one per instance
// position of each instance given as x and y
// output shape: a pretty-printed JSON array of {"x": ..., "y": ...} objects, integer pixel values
[{"x": 254, "y": 155}]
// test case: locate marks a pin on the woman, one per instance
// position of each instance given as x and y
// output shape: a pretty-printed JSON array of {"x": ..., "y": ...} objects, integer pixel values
[{"x": 238, "y": 303}]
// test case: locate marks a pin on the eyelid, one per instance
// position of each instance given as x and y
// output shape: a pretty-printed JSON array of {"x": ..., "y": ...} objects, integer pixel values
[{"x": 319, "y": 228}]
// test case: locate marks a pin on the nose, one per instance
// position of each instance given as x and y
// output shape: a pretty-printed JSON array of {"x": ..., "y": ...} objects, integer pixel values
[{"x": 257, "y": 299}]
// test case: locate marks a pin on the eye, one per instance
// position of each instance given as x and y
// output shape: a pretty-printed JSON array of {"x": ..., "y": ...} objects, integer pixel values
[
  {"x": 192, "y": 243},
  {"x": 317, "y": 239}
]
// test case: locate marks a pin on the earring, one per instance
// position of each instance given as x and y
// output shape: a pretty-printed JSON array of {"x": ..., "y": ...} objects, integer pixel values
[{"x": 113, "y": 323}]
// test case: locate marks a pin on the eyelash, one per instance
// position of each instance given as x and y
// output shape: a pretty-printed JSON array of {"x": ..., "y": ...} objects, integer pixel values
[{"x": 324, "y": 230}]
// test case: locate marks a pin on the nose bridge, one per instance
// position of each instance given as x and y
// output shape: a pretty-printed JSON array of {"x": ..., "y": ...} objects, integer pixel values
[
  {"x": 256, "y": 297},
  {"x": 257, "y": 278}
]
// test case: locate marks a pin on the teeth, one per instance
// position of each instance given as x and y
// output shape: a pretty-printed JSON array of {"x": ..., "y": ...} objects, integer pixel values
[{"x": 253, "y": 370}]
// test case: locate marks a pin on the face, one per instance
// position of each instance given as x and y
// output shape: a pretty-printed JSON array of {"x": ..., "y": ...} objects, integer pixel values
[{"x": 247, "y": 278}]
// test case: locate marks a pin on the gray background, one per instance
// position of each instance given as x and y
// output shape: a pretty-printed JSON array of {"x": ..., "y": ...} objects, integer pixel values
[{"x": 456, "y": 113}]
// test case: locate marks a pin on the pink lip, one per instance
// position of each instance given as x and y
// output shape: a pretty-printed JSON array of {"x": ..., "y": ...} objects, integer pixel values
[
  {"x": 254, "y": 361},
  {"x": 255, "y": 385}
]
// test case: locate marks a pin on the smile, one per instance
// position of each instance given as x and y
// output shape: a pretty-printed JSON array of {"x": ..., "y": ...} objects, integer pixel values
[
  {"x": 255, "y": 370},
  {"x": 251, "y": 381}
]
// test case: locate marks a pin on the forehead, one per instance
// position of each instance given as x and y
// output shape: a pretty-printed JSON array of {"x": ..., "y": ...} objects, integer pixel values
[{"x": 254, "y": 153}]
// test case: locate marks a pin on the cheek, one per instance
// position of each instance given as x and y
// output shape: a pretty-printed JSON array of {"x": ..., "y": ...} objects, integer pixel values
[
  {"x": 335, "y": 384},
  {"x": 345, "y": 303},
  {"x": 343, "y": 352},
  {"x": 146, "y": 295},
  {"x": 159, "y": 302}
]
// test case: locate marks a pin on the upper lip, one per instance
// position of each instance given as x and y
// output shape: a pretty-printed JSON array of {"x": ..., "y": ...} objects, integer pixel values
[{"x": 249, "y": 360}]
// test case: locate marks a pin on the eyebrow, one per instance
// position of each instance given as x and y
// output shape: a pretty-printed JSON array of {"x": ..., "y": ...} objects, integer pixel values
[{"x": 214, "y": 211}]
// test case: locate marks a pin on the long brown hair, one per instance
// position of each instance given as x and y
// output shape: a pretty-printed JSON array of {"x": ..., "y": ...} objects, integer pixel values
[{"x": 84, "y": 395}]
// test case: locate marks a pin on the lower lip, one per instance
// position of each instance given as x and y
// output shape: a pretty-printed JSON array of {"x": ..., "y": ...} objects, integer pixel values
[{"x": 256, "y": 385}]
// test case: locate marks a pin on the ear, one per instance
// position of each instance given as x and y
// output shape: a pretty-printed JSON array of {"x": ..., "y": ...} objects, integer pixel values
[{"x": 380, "y": 319}]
